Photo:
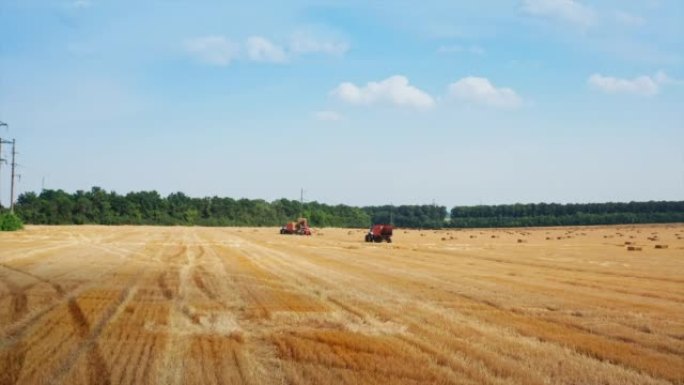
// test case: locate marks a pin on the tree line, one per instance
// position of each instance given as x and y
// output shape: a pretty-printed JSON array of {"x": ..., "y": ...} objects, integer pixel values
[
  {"x": 415, "y": 216},
  {"x": 98, "y": 206},
  {"x": 554, "y": 214}
]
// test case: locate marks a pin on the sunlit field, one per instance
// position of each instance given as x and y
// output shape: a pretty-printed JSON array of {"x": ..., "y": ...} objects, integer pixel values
[{"x": 190, "y": 305}]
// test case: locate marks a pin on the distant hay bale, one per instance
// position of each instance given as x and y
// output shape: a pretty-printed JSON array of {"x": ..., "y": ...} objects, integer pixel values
[
  {"x": 473, "y": 236},
  {"x": 521, "y": 241},
  {"x": 452, "y": 237},
  {"x": 237, "y": 336},
  {"x": 444, "y": 239},
  {"x": 628, "y": 243},
  {"x": 661, "y": 246},
  {"x": 548, "y": 238},
  {"x": 633, "y": 248}
]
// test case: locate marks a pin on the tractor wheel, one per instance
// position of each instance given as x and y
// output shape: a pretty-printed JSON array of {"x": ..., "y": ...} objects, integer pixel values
[
  {"x": 368, "y": 237},
  {"x": 388, "y": 239},
  {"x": 377, "y": 239}
]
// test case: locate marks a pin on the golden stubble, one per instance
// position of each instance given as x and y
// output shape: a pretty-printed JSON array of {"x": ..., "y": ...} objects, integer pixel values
[{"x": 179, "y": 305}]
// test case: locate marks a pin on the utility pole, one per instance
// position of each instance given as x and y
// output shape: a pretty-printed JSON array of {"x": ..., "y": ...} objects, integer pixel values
[
  {"x": 301, "y": 196},
  {"x": 14, "y": 165},
  {"x": 1, "y": 159},
  {"x": 391, "y": 217}
]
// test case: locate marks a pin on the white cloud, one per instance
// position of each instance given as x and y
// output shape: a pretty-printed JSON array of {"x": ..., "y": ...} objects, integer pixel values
[
  {"x": 215, "y": 50},
  {"x": 262, "y": 50},
  {"x": 640, "y": 85},
  {"x": 327, "y": 116},
  {"x": 218, "y": 50},
  {"x": 394, "y": 90},
  {"x": 81, "y": 4},
  {"x": 303, "y": 44},
  {"x": 629, "y": 19},
  {"x": 473, "y": 49},
  {"x": 481, "y": 91},
  {"x": 568, "y": 10}
]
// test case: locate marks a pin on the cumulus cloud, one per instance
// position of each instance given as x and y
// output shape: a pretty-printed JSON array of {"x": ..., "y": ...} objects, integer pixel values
[
  {"x": 215, "y": 50},
  {"x": 568, "y": 10},
  {"x": 394, "y": 90},
  {"x": 218, "y": 50},
  {"x": 640, "y": 85},
  {"x": 263, "y": 50},
  {"x": 629, "y": 19},
  {"x": 327, "y": 116},
  {"x": 81, "y": 4},
  {"x": 481, "y": 91},
  {"x": 304, "y": 44}
]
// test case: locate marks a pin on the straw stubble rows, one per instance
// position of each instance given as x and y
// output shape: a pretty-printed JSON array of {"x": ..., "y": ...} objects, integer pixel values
[{"x": 156, "y": 305}]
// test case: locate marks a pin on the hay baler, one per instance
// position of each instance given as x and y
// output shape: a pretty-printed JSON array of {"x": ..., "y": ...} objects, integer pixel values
[{"x": 300, "y": 227}]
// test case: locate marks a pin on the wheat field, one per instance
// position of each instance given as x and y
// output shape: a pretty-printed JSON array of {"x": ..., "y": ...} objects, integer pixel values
[{"x": 189, "y": 305}]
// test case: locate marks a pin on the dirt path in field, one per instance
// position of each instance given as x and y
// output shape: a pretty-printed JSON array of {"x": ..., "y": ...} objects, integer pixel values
[{"x": 150, "y": 305}]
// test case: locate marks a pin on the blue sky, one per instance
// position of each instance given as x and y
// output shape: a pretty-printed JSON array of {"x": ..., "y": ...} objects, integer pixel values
[{"x": 454, "y": 102}]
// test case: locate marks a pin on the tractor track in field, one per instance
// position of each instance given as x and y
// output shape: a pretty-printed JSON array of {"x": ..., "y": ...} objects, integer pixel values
[
  {"x": 98, "y": 372},
  {"x": 14, "y": 349},
  {"x": 659, "y": 363},
  {"x": 174, "y": 305}
]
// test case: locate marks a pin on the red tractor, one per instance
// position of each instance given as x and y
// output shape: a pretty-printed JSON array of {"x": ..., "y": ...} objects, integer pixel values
[
  {"x": 300, "y": 227},
  {"x": 379, "y": 233}
]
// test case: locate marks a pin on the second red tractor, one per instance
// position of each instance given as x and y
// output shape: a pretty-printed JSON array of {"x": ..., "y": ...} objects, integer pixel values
[{"x": 379, "y": 233}]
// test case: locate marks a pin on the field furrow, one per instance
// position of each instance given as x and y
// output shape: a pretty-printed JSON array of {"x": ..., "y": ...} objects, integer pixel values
[{"x": 176, "y": 305}]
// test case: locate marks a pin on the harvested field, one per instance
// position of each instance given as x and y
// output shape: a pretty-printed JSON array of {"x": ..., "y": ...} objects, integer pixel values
[{"x": 178, "y": 305}]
